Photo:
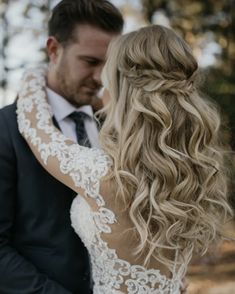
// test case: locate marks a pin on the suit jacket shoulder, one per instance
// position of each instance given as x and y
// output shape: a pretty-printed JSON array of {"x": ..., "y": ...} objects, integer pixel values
[{"x": 35, "y": 216}]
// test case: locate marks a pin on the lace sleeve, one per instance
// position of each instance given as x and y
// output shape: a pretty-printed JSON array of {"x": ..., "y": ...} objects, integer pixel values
[{"x": 76, "y": 166}]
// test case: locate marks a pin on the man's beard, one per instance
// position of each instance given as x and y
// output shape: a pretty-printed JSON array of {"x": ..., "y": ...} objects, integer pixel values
[{"x": 73, "y": 93}]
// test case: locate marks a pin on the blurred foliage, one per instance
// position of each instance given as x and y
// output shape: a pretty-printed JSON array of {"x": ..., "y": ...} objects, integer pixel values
[
  {"x": 11, "y": 29},
  {"x": 195, "y": 21}
]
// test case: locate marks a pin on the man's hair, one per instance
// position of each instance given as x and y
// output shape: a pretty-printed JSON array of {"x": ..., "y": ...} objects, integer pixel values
[{"x": 68, "y": 14}]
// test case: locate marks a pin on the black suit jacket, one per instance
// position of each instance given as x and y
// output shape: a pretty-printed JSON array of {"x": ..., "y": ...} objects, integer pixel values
[{"x": 39, "y": 251}]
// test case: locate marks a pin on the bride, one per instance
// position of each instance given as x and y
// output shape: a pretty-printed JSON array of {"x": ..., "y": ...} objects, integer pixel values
[{"x": 156, "y": 193}]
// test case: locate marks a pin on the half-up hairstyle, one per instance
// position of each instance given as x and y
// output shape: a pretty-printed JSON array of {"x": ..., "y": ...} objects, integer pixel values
[{"x": 165, "y": 141}]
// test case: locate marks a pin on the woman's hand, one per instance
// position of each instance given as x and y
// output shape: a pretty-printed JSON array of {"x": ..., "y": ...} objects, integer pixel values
[{"x": 96, "y": 103}]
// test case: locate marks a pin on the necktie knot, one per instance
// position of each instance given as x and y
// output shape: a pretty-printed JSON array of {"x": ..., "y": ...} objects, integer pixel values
[{"x": 78, "y": 118}]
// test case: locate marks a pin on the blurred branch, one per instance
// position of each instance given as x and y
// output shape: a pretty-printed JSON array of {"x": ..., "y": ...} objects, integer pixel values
[{"x": 4, "y": 43}]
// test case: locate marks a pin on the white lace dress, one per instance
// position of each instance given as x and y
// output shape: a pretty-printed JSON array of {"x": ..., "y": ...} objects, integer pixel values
[{"x": 82, "y": 167}]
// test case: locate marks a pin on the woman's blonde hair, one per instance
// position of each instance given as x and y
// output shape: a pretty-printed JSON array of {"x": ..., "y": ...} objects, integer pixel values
[{"x": 164, "y": 139}]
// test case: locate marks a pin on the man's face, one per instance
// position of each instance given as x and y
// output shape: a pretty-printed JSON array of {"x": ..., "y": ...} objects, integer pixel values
[{"x": 75, "y": 69}]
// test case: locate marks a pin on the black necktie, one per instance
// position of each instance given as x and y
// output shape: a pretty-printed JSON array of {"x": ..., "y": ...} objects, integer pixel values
[{"x": 78, "y": 117}]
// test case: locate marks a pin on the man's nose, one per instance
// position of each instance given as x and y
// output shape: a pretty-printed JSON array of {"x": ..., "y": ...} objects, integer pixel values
[{"x": 97, "y": 74}]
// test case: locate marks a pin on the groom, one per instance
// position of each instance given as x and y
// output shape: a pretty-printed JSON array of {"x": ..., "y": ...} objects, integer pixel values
[{"x": 39, "y": 251}]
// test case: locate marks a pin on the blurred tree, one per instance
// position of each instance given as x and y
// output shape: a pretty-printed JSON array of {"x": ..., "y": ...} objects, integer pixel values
[
  {"x": 21, "y": 22},
  {"x": 4, "y": 42}
]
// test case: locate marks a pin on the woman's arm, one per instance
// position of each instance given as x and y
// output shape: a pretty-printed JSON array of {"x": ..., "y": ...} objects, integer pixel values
[{"x": 78, "y": 167}]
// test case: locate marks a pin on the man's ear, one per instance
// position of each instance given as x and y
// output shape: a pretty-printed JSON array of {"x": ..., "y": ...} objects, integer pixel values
[{"x": 53, "y": 49}]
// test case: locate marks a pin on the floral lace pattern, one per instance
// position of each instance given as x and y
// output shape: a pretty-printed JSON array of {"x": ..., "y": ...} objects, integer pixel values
[{"x": 86, "y": 167}]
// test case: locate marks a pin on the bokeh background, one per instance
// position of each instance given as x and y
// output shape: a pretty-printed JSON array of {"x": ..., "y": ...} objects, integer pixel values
[{"x": 207, "y": 25}]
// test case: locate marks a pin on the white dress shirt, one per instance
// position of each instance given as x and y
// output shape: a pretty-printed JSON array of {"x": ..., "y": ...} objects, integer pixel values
[{"x": 61, "y": 109}]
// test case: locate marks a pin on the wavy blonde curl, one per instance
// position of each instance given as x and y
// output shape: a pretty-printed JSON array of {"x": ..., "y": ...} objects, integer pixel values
[{"x": 165, "y": 141}]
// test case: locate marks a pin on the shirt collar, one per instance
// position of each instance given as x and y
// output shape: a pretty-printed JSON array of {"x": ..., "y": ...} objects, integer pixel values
[{"x": 61, "y": 108}]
